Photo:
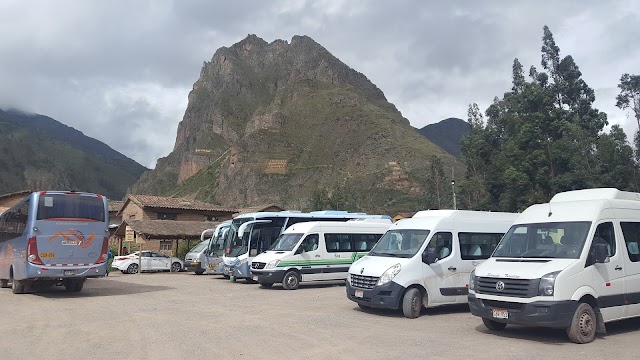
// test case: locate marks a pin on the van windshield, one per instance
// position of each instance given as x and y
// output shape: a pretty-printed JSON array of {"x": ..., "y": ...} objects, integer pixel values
[
  {"x": 563, "y": 240},
  {"x": 286, "y": 242},
  {"x": 400, "y": 243},
  {"x": 199, "y": 247}
]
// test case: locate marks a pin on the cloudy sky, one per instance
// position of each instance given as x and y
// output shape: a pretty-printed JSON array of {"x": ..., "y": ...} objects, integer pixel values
[{"x": 120, "y": 71}]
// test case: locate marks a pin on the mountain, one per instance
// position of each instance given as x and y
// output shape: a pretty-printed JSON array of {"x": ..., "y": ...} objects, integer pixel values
[
  {"x": 288, "y": 123},
  {"x": 38, "y": 152},
  {"x": 447, "y": 134}
]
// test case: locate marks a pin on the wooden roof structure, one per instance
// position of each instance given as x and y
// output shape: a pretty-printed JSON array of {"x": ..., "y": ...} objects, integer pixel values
[
  {"x": 166, "y": 229},
  {"x": 115, "y": 205},
  {"x": 161, "y": 202}
]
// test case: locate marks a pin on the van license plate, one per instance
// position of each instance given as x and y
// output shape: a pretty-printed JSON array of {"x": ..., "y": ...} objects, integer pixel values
[
  {"x": 500, "y": 314},
  {"x": 69, "y": 272},
  {"x": 359, "y": 293},
  {"x": 255, "y": 278}
]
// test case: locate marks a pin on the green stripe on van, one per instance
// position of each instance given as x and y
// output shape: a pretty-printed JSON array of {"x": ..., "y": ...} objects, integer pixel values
[{"x": 337, "y": 261}]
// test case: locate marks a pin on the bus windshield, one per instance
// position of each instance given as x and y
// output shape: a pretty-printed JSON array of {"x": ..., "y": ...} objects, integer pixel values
[
  {"x": 544, "y": 240},
  {"x": 216, "y": 243},
  {"x": 70, "y": 207},
  {"x": 233, "y": 243},
  {"x": 286, "y": 242}
]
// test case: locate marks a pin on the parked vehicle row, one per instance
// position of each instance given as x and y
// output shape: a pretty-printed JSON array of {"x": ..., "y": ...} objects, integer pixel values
[
  {"x": 149, "y": 261},
  {"x": 572, "y": 263}
]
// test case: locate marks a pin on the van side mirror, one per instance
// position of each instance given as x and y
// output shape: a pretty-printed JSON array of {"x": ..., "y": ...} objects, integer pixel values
[
  {"x": 300, "y": 250},
  {"x": 599, "y": 254},
  {"x": 429, "y": 256}
]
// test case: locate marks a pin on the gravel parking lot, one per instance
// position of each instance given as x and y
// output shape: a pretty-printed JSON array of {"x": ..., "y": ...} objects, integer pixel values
[{"x": 184, "y": 316}]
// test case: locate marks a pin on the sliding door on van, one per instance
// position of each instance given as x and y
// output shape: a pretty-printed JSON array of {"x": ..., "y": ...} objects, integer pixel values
[
  {"x": 608, "y": 278},
  {"x": 339, "y": 253},
  {"x": 631, "y": 233}
]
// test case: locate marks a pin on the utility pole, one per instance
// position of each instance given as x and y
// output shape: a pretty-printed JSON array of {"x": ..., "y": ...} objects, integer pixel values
[{"x": 453, "y": 188}]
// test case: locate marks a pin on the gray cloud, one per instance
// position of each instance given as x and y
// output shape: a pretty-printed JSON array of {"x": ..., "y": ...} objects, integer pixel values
[{"x": 120, "y": 71}]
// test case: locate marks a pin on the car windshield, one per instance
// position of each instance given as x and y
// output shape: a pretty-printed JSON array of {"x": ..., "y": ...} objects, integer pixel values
[
  {"x": 544, "y": 240},
  {"x": 400, "y": 243},
  {"x": 286, "y": 242},
  {"x": 199, "y": 247}
]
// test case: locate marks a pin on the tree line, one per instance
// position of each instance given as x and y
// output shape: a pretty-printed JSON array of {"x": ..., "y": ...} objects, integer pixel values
[{"x": 545, "y": 136}]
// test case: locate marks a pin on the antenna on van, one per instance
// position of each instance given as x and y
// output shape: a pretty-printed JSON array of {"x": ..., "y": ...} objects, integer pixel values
[{"x": 550, "y": 212}]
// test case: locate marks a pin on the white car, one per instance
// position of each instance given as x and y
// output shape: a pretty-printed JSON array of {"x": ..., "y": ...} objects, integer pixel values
[{"x": 151, "y": 261}]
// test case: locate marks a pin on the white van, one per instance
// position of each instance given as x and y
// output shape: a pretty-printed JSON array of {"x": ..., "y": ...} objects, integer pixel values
[
  {"x": 573, "y": 263},
  {"x": 316, "y": 251},
  {"x": 426, "y": 260}
]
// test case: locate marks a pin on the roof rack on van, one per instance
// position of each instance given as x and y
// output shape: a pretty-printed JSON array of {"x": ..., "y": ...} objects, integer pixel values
[
  {"x": 595, "y": 194},
  {"x": 384, "y": 220}
]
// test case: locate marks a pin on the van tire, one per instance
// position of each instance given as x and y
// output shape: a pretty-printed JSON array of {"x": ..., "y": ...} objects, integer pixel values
[
  {"x": 583, "y": 325},
  {"x": 412, "y": 303},
  {"x": 364, "y": 307},
  {"x": 291, "y": 280},
  {"x": 4, "y": 284},
  {"x": 493, "y": 325},
  {"x": 199, "y": 272},
  {"x": 266, "y": 285}
]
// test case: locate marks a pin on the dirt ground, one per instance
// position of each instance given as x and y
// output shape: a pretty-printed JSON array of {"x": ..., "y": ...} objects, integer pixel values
[{"x": 185, "y": 316}]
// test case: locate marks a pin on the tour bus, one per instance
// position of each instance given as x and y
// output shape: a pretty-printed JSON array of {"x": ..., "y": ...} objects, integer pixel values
[
  {"x": 572, "y": 263},
  {"x": 316, "y": 251},
  {"x": 253, "y": 233},
  {"x": 207, "y": 255},
  {"x": 426, "y": 260},
  {"x": 54, "y": 237}
]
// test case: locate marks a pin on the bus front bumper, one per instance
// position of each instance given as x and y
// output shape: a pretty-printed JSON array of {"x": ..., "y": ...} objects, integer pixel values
[{"x": 553, "y": 314}]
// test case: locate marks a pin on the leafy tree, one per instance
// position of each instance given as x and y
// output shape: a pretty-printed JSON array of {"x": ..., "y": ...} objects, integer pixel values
[
  {"x": 541, "y": 138},
  {"x": 629, "y": 97}
]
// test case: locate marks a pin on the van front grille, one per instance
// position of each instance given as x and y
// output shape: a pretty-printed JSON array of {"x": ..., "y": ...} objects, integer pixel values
[
  {"x": 258, "y": 265},
  {"x": 364, "y": 282},
  {"x": 523, "y": 288},
  {"x": 502, "y": 304}
]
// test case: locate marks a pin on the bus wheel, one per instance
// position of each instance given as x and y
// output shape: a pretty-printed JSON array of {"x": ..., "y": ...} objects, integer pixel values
[
  {"x": 226, "y": 277},
  {"x": 4, "y": 283},
  {"x": 132, "y": 269},
  {"x": 412, "y": 303},
  {"x": 199, "y": 272},
  {"x": 583, "y": 325},
  {"x": 17, "y": 287},
  {"x": 291, "y": 280},
  {"x": 74, "y": 285}
]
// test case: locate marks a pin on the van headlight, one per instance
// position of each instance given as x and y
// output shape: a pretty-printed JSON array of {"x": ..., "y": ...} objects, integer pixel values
[
  {"x": 389, "y": 274},
  {"x": 349, "y": 278},
  {"x": 272, "y": 264},
  {"x": 472, "y": 280},
  {"x": 547, "y": 284}
]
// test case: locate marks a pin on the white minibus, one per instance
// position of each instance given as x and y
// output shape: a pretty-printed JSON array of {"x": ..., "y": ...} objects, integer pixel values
[
  {"x": 316, "y": 251},
  {"x": 573, "y": 264},
  {"x": 426, "y": 260}
]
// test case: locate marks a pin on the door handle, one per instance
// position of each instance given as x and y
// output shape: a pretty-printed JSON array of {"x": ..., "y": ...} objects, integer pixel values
[
  {"x": 451, "y": 268},
  {"x": 317, "y": 255},
  {"x": 618, "y": 267}
]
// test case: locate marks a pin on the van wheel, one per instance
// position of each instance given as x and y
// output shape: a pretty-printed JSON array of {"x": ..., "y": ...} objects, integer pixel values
[
  {"x": 199, "y": 272},
  {"x": 266, "y": 285},
  {"x": 364, "y": 307},
  {"x": 291, "y": 280},
  {"x": 493, "y": 325},
  {"x": 583, "y": 325},
  {"x": 4, "y": 284},
  {"x": 412, "y": 303},
  {"x": 132, "y": 269}
]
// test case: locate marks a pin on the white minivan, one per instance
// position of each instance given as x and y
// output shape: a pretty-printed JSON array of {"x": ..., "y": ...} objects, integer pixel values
[
  {"x": 316, "y": 251},
  {"x": 426, "y": 260},
  {"x": 573, "y": 263}
]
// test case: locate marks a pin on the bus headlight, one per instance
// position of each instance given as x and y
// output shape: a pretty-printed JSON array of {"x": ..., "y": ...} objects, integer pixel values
[
  {"x": 389, "y": 274},
  {"x": 272, "y": 264},
  {"x": 240, "y": 263},
  {"x": 547, "y": 284}
]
